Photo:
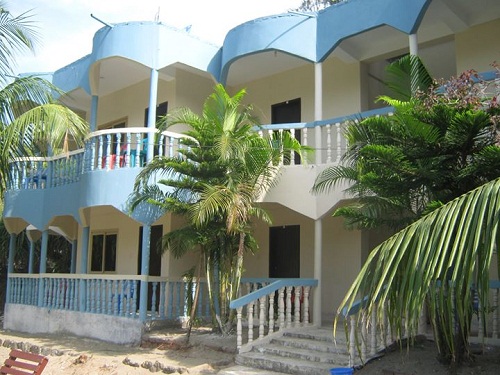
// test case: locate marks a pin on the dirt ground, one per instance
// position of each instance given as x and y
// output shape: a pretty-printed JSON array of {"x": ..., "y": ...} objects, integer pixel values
[
  {"x": 205, "y": 354},
  {"x": 422, "y": 359},
  {"x": 209, "y": 353}
]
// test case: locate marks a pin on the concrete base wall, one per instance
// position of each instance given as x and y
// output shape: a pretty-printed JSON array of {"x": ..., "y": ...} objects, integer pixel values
[{"x": 31, "y": 319}]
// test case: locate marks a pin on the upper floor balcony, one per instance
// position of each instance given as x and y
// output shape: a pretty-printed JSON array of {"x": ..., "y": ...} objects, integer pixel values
[{"x": 127, "y": 148}]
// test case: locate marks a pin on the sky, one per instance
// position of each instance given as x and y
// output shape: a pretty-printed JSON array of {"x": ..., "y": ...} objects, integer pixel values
[{"x": 66, "y": 27}]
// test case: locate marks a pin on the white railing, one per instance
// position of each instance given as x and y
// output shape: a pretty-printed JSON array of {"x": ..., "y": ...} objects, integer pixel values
[
  {"x": 272, "y": 305},
  {"x": 128, "y": 147},
  {"x": 370, "y": 334},
  {"x": 46, "y": 172}
]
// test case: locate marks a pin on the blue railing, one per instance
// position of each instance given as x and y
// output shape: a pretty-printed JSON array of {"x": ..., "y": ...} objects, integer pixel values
[{"x": 109, "y": 295}]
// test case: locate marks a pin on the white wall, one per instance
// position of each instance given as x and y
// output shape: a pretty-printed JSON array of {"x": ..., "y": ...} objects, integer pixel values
[{"x": 478, "y": 47}]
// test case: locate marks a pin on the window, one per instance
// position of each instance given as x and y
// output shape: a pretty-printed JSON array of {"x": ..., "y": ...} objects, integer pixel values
[{"x": 103, "y": 257}]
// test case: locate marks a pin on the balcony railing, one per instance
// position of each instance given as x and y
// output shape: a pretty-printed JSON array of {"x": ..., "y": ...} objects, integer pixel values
[
  {"x": 114, "y": 149},
  {"x": 116, "y": 295}
]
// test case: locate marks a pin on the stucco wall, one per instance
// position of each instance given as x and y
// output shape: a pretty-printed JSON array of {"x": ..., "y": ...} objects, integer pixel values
[
  {"x": 131, "y": 102},
  {"x": 31, "y": 319},
  {"x": 278, "y": 88},
  {"x": 478, "y": 47}
]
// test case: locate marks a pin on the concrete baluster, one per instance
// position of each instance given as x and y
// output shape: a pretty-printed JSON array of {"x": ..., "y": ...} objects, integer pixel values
[
  {"x": 238, "y": 328},
  {"x": 271, "y": 313},
  {"x": 250, "y": 322},
  {"x": 262, "y": 316},
  {"x": 281, "y": 307},
  {"x": 296, "y": 318}
]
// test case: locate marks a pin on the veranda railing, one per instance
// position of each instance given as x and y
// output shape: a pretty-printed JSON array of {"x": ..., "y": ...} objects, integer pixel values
[
  {"x": 272, "y": 305},
  {"x": 370, "y": 334}
]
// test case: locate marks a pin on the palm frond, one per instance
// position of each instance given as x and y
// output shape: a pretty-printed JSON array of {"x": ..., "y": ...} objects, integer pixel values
[{"x": 444, "y": 253}]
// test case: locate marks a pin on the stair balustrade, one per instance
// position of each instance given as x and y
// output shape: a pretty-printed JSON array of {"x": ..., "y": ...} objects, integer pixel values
[{"x": 272, "y": 306}]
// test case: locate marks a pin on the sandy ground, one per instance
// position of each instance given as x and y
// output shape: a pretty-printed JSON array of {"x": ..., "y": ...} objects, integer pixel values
[{"x": 206, "y": 353}]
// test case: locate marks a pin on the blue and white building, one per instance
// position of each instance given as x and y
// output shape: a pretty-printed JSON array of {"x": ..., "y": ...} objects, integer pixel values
[{"x": 307, "y": 72}]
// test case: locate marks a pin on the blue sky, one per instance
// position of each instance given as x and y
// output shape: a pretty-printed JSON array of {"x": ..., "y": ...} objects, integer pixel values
[{"x": 66, "y": 28}]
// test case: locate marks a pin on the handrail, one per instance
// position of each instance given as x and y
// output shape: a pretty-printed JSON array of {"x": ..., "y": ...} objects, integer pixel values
[{"x": 268, "y": 289}]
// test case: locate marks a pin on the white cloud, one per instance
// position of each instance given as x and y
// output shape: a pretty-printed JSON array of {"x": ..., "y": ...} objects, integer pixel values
[{"x": 66, "y": 27}]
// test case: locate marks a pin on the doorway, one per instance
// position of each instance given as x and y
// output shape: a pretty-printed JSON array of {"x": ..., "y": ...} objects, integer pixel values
[
  {"x": 288, "y": 112},
  {"x": 284, "y": 251}
]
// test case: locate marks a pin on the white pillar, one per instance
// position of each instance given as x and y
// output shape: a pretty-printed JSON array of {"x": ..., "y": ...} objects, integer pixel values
[
  {"x": 318, "y": 242},
  {"x": 413, "y": 41},
  {"x": 153, "y": 96},
  {"x": 318, "y": 108}
]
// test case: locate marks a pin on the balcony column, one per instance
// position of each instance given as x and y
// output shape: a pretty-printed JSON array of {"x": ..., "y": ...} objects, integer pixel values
[
  {"x": 43, "y": 266},
  {"x": 413, "y": 42},
  {"x": 32, "y": 256},
  {"x": 318, "y": 109},
  {"x": 318, "y": 238},
  {"x": 143, "y": 302},
  {"x": 10, "y": 263},
  {"x": 74, "y": 245},
  {"x": 84, "y": 266},
  {"x": 153, "y": 96},
  {"x": 318, "y": 242},
  {"x": 93, "y": 113}
]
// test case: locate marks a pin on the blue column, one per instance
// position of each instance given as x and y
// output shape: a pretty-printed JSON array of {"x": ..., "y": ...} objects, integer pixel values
[
  {"x": 10, "y": 264},
  {"x": 84, "y": 267},
  {"x": 153, "y": 96},
  {"x": 32, "y": 256},
  {"x": 73, "y": 256},
  {"x": 143, "y": 303},
  {"x": 93, "y": 113},
  {"x": 43, "y": 266}
]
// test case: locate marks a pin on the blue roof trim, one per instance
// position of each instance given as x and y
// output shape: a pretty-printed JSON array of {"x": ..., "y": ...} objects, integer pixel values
[
  {"x": 309, "y": 36},
  {"x": 350, "y": 18}
]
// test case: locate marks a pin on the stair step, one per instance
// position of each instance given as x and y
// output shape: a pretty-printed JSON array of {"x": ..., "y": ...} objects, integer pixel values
[
  {"x": 311, "y": 355},
  {"x": 320, "y": 334},
  {"x": 311, "y": 344},
  {"x": 279, "y": 364}
]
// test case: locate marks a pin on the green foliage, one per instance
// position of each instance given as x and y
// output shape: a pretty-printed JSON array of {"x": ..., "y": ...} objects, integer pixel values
[
  {"x": 31, "y": 123},
  {"x": 316, "y": 5},
  {"x": 432, "y": 169},
  {"x": 223, "y": 169},
  {"x": 438, "y": 145},
  {"x": 437, "y": 259}
]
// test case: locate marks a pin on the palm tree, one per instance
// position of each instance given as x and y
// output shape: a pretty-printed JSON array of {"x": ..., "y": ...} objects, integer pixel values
[
  {"x": 440, "y": 144},
  {"x": 433, "y": 149},
  {"x": 31, "y": 122},
  {"x": 225, "y": 168},
  {"x": 440, "y": 259}
]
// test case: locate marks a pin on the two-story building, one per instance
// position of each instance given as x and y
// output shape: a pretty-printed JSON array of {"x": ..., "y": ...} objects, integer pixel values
[{"x": 307, "y": 72}]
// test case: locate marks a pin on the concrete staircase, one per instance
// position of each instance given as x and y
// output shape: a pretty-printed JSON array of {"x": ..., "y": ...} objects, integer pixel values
[{"x": 308, "y": 351}]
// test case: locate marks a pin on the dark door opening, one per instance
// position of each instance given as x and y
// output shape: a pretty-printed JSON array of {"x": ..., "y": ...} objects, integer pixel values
[
  {"x": 288, "y": 112},
  {"x": 284, "y": 251},
  {"x": 154, "y": 261}
]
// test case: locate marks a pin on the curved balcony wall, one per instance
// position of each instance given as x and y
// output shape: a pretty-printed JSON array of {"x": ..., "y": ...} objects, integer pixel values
[
  {"x": 43, "y": 188},
  {"x": 403, "y": 15}
]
